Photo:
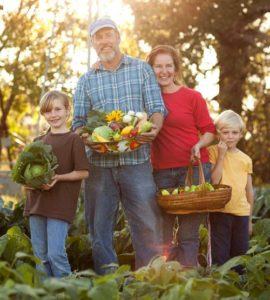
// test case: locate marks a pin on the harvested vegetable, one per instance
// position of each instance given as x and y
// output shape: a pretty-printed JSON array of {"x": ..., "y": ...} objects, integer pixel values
[{"x": 35, "y": 165}]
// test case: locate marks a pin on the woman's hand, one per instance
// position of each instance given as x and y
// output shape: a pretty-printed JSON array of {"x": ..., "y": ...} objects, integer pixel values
[{"x": 195, "y": 151}]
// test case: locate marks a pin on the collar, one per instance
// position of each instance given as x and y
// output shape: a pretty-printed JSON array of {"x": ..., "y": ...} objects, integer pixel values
[{"x": 126, "y": 60}]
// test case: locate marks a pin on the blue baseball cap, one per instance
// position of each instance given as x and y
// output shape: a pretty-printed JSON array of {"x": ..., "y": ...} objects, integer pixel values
[{"x": 101, "y": 23}]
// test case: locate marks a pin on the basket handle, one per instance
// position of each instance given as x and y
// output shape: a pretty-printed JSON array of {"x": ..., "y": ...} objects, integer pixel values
[{"x": 189, "y": 177}]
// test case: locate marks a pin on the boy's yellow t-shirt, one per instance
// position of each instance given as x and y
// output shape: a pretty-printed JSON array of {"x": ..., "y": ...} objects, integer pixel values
[{"x": 236, "y": 167}]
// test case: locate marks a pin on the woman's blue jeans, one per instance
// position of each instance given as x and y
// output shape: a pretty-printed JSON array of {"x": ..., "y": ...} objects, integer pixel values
[
  {"x": 134, "y": 186},
  {"x": 48, "y": 238},
  {"x": 186, "y": 249}
]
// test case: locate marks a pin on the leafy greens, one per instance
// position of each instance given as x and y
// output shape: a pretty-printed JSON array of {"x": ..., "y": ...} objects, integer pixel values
[{"x": 35, "y": 165}]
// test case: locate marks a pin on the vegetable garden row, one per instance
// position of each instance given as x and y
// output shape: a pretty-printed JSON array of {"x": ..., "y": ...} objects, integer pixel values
[{"x": 159, "y": 280}]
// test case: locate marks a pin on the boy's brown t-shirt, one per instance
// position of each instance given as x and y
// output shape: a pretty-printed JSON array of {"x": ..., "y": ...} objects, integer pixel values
[{"x": 60, "y": 202}]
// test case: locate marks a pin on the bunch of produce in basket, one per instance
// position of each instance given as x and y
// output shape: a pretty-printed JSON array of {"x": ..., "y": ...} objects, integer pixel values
[
  {"x": 35, "y": 165},
  {"x": 204, "y": 197},
  {"x": 116, "y": 131},
  {"x": 189, "y": 189}
]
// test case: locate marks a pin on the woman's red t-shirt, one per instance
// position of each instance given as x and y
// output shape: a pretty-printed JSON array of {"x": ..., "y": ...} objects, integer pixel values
[{"x": 187, "y": 118}]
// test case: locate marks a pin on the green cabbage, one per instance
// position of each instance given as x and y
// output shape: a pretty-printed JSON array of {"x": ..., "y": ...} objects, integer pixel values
[
  {"x": 104, "y": 131},
  {"x": 35, "y": 165}
]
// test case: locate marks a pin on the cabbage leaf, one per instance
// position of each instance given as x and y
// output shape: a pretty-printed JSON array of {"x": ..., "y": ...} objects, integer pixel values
[{"x": 35, "y": 165}]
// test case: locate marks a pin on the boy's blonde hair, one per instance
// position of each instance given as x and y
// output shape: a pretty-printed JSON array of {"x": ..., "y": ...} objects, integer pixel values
[
  {"x": 46, "y": 101},
  {"x": 229, "y": 119}
]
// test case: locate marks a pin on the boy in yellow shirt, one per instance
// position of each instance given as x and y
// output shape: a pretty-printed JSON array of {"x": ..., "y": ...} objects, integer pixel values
[{"x": 231, "y": 226}]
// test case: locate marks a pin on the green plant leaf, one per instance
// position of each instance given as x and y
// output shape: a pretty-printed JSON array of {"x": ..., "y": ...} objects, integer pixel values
[
  {"x": 232, "y": 263},
  {"x": 3, "y": 243},
  {"x": 105, "y": 291},
  {"x": 17, "y": 242}
]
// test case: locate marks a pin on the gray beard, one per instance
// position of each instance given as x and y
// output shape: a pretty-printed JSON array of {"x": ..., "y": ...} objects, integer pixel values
[{"x": 108, "y": 56}]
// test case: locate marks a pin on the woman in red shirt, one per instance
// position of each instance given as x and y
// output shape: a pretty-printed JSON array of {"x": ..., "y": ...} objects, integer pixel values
[{"x": 186, "y": 131}]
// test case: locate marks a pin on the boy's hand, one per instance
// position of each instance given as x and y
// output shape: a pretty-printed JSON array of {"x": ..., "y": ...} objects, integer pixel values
[{"x": 222, "y": 148}]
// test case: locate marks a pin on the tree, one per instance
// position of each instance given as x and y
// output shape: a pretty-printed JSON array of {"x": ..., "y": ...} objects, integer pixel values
[
  {"x": 35, "y": 55},
  {"x": 234, "y": 29}
]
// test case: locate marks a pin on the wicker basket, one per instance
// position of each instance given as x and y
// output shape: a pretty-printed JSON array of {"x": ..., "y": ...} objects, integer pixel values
[{"x": 199, "y": 201}]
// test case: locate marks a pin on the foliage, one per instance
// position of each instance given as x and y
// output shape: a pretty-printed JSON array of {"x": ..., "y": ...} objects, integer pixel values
[
  {"x": 95, "y": 119},
  {"x": 12, "y": 215},
  {"x": 36, "y": 53},
  {"x": 238, "y": 33},
  {"x": 261, "y": 208},
  {"x": 158, "y": 280},
  {"x": 12, "y": 242},
  {"x": 79, "y": 245}
]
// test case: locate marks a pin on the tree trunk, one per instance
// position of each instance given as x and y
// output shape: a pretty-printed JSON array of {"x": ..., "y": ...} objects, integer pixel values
[
  {"x": 3, "y": 122},
  {"x": 233, "y": 74}
]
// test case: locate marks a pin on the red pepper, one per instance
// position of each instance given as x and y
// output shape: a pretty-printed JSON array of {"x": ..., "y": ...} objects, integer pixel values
[
  {"x": 134, "y": 145},
  {"x": 102, "y": 148},
  {"x": 134, "y": 132}
]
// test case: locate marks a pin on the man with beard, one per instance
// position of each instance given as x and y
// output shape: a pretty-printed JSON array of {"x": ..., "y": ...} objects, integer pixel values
[{"x": 119, "y": 82}]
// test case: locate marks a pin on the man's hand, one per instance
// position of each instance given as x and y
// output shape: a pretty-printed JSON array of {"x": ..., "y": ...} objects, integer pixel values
[
  {"x": 148, "y": 137},
  {"x": 84, "y": 137},
  {"x": 94, "y": 146}
]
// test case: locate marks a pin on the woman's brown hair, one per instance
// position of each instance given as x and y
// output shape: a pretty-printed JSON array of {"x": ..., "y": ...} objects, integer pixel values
[{"x": 167, "y": 49}]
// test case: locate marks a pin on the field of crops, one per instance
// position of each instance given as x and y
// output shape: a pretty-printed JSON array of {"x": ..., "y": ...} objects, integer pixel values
[{"x": 159, "y": 280}]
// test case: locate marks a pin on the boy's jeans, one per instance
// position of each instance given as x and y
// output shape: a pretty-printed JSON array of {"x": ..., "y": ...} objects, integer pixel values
[
  {"x": 134, "y": 186},
  {"x": 186, "y": 250},
  {"x": 229, "y": 236},
  {"x": 48, "y": 238}
]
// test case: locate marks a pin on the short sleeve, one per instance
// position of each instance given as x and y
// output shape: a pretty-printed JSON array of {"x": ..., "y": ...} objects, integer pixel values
[
  {"x": 249, "y": 166},
  {"x": 79, "y": 154},
  {"x": 212, "y": 152},
  {"x": 204, "y": 123}
]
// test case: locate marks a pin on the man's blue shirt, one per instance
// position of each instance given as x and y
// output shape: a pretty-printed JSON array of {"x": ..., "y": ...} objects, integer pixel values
[{"x": 132, "y": 86}]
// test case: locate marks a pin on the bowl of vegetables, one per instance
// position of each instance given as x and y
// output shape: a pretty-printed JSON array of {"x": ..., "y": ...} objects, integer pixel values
[{"x": 116, "y": 132}]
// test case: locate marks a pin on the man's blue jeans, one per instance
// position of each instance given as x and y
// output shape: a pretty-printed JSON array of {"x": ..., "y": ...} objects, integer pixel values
[
  {"x": 134, "y": 186},
  {"x": 48, "y": 238},
  {"x": 186, "y": 250}
]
